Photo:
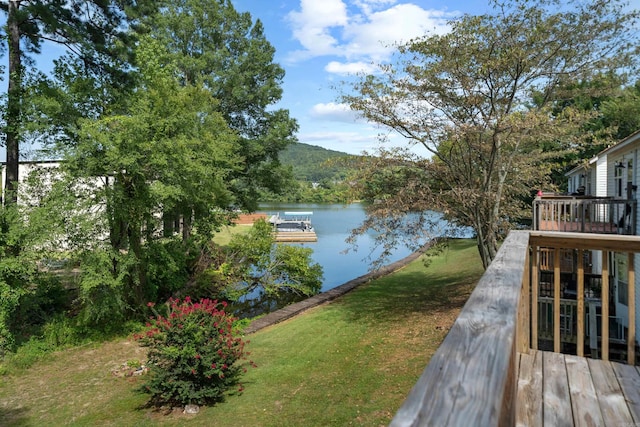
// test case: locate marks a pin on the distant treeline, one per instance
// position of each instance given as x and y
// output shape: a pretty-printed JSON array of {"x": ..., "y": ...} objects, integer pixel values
[
  {"x": 314, "y": 164},
  {"x": 319, "y": 175}
]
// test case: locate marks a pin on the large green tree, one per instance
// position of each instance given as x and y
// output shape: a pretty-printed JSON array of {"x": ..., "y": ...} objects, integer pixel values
[
  {"x": 466, "y": 97},
  {"x": 227, "y": 52},
  {"x": 87, "y": 29},
  {"x": 170, "y": 149}
]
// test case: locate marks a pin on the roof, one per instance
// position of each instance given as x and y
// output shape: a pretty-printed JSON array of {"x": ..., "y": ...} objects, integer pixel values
[{"x": 624, "y": 143}]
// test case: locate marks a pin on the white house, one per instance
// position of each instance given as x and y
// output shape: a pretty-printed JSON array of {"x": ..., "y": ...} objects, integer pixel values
[{"x": 609, "y": 179}]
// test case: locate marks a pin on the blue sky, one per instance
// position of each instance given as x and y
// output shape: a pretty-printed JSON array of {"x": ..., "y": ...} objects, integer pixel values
[{"x": 321, "y": 43}]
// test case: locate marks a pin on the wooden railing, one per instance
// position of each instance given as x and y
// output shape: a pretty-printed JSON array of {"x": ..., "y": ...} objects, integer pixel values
[
  {"x": 541, "y": 242},
  {"x": 471, "y": 379},
  {"x": 584, "y": 214}
]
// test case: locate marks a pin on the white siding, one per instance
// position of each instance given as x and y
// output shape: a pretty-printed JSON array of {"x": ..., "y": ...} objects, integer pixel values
[{"x": 601, "y": 188}]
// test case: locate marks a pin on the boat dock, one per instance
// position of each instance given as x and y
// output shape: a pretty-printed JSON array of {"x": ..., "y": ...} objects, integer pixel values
[{"x": 293, "y": 227}]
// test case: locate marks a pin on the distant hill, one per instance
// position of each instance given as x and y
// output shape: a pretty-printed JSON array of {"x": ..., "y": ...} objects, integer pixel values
[{"x": 313, "y": 163}]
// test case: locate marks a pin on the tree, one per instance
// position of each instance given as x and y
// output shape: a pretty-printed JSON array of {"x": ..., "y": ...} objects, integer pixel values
[
  {"x": 623, "y": 112},
  {"x": 228, "y": 54},
  {"x": 86, "y": 28},
  {"x": 466, "y": 96},
  {"x": 169, "y": 150},
  {"x": 257, "y": 274}
]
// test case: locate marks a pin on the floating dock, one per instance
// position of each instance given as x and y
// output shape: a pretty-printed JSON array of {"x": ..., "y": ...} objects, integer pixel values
[{"x": 293, "y": 227}]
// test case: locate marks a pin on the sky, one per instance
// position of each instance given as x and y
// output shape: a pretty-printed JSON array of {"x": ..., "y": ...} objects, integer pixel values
[{"x": 321, "y": 44}]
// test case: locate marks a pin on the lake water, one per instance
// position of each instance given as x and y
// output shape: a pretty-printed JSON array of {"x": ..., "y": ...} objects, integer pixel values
[{"x": 333, "y": 224}]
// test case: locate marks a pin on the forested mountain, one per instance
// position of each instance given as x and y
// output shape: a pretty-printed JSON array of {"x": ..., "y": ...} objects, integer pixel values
[{"x": 313, "y": 163}]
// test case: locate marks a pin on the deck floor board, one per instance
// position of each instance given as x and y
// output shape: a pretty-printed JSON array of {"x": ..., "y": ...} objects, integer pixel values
[{"x": 576, "y": 391}]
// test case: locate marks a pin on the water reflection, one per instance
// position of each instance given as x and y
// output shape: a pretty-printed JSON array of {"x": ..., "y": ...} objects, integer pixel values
[{"x": 340, "y": 262}]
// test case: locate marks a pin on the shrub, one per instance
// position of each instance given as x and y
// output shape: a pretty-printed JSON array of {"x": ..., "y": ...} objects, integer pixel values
[{"x": 194, "y": 356}]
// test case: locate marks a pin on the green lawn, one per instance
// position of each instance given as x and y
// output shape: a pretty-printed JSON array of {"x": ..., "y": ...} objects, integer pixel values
[{"x": 351, "y": 362}]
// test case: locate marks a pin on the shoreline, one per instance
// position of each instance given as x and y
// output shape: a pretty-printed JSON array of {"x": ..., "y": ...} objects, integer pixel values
[{"x": 294, "y": 309}]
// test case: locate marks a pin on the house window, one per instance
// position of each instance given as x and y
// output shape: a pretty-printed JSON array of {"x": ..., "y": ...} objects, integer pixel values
[
  {"x": 618, "y": 173},
  {"x": 629, "y": 186}
]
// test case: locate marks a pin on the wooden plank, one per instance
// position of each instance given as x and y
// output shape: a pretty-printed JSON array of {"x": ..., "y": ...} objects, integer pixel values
[
  {"x": 580, "y": 315},
  {"x": 605, "y": 306},
  {"x": 631, "y": 304},
  {"x": 592, "y": 241},
  {"x": 556, "y": 300},
  {"x": 535, "y": 281},
  {"x": 523, "y": 335},
  {"x": 529, "y": 401},
  {"x": 593, "y": 329},
  {"x": 555, "y": 391},
  {"x": 629, "y": 380},
  {"x": 613, "y": 406},
  {"x": 584, "y": 402},
  {"x": 472, "y": 373}
]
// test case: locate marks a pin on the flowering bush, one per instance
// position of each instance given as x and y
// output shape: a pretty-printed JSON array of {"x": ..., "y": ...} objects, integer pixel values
[{"x": 194, "y": 356}]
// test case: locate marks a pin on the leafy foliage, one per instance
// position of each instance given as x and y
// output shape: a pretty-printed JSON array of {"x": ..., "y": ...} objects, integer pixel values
[
  {"x": 314, "y": 164},
  {"x": 466, "y": 97},
  {"x": 255, "y": 273},
  {"x": 89, "y": 29},
  {"x": 194, "y": 353},
  {"x": 222, "y": 49}
]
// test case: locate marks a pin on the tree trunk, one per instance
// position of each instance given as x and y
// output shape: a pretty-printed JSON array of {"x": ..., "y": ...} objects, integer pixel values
[
  {"x": 14, "y": 93},
  {"x": 135, "y": 246},
  {"x": 187, "y": 223}
]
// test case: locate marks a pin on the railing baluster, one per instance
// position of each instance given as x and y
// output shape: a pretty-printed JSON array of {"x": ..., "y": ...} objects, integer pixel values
[
  {"x": 605, "y": 305},
  {"x": 523, "y": 335},
  {"x": 535, "y": 281},
  {"x": 587, "y": 215},
  {"x": 631, "y": 301},
  {"x": 556, "y": 300},
  {"x": 580, "y": 291}
]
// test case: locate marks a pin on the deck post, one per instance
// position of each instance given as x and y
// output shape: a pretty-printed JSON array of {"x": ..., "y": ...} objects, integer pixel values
[
  {"x": 523, "y": 335},
  {"x": 580, "y": 315},
  {"x": 605, "y": 305},
  {"x": 535, "y": 281},
  {"x": 631, "y": 300},
  {"x": 556, "y": 300}
]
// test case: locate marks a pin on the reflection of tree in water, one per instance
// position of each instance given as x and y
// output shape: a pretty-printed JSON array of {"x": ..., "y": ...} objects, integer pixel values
[{"x": 264, "y": 303}]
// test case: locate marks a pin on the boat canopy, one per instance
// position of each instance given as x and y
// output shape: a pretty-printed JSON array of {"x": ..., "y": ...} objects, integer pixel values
[{"x": 298, "y": 213}]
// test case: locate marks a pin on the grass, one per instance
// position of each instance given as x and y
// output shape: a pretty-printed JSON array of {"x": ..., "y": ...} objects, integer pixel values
[
  {"x": 351, "y": 362},
  {"x": 223, "y": 237}
]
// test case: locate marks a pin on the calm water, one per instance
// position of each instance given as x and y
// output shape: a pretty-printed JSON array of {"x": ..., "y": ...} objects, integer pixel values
[{"x": 333, "y": 224}]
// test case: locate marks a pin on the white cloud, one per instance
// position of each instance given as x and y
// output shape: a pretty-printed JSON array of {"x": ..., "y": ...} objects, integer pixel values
[
  {"x": 313, "y": 23},
  {"x": 368, "y": 6},
  {"x": 346, "y": 68},
  {"x": 334, "y": 112},
  {"x": 360, "y": 29},
  {"x": 375, "y": 37}
]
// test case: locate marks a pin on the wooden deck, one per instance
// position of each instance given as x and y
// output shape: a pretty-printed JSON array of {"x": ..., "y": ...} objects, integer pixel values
[
  {"x": 557, "y": 389},
  {"x": 578, "y": 226}
]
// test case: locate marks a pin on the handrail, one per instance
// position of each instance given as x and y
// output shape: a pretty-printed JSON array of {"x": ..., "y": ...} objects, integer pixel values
[
  {"x": 471, "y": 377},
  {"x": 605, "y": 244},
  {"x": 585, "y": 214}
]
